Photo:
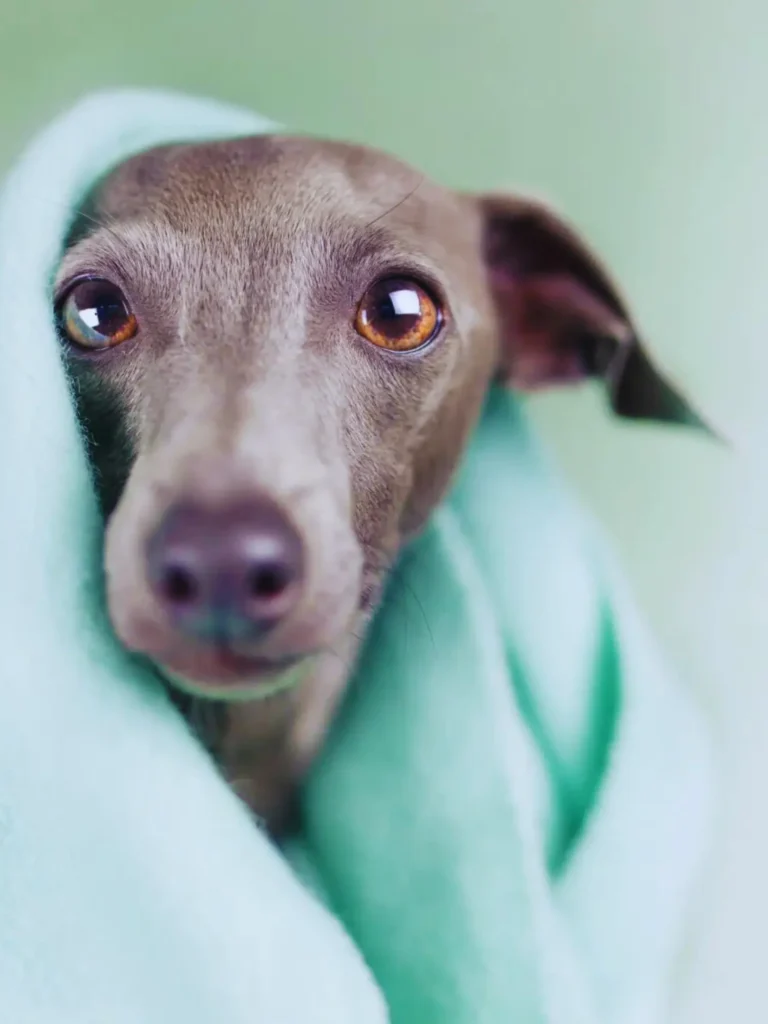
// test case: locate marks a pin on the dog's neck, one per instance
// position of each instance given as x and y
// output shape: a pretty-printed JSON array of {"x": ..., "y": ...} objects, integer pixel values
[{"x": 264, "y": 746}]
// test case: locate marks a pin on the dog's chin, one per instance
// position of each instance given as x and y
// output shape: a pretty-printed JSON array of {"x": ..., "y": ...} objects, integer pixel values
[{"x": 231, "y": 677}]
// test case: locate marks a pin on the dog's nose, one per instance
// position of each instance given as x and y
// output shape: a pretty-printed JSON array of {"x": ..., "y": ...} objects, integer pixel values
[{"x": 226, "y": 575}]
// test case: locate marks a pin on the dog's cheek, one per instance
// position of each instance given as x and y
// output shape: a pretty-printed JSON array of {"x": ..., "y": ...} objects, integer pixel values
[
  {"x": 442, "y": 442},
  {"x": 103, "y": 415}
]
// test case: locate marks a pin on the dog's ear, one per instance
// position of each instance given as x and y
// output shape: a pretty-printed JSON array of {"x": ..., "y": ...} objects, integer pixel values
[{"x": 561, "y": 317}]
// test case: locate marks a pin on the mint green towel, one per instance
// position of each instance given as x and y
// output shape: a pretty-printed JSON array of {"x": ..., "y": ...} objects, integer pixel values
[{"x": 506, "y": 825}]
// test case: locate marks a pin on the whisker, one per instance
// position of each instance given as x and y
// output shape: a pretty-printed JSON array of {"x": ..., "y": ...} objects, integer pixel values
[
  {"x": 105, "y": 223},
  {"x": 401, "y": 580},
  {"x": 78, "y": 212},
  {"x": 399, "y": 203}
]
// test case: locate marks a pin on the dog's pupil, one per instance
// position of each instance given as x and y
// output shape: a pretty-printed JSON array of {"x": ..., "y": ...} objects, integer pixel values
[
  {"x": 110, "y": 315},
  {"x": 102, "y": 309},
  {"x": 391, "y": 318}
]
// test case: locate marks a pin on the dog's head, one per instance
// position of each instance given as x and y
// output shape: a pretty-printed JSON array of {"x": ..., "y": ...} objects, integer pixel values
[{"x": 279, "y": 347}]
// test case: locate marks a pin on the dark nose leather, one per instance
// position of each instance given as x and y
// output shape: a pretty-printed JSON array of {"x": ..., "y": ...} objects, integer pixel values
[{"x": 226, "y": 575}]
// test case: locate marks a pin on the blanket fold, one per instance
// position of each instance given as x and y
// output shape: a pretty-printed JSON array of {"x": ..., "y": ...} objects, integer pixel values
[{"x": 507, "y": 822}]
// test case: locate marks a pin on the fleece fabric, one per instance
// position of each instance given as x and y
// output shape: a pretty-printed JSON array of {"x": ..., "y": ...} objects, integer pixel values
[{"x": 507, "y": 822}]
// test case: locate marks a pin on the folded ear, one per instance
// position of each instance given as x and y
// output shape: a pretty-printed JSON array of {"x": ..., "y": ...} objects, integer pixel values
[{"x": 561, "y": 317}]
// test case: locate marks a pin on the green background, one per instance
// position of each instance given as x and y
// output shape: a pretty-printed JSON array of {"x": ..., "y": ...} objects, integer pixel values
[{"x": 645, "y": 121}]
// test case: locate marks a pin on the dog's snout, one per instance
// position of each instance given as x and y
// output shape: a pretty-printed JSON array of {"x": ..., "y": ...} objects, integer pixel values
[{"x": 226, "y": 575}]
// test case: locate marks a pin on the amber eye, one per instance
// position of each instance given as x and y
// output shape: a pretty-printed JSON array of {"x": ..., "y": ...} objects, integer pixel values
[
  {"x": 95, "y": 315},
  {"x": 397, "y": 314}
]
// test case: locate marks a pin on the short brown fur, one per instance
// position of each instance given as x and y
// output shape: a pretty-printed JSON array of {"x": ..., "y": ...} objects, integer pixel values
[{"x": 244, "y": 262}]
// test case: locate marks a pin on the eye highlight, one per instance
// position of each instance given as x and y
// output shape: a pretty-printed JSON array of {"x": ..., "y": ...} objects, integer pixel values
[
  {"x": 398, "y": 314},
  {"x": 95, "y": 314}
]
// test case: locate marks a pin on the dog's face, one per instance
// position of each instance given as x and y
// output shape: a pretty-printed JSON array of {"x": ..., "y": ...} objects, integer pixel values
[{"x": 279, "y": 347}]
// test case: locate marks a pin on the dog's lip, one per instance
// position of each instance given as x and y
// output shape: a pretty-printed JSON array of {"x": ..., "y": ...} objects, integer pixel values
[{"x": 226, "y": 674}]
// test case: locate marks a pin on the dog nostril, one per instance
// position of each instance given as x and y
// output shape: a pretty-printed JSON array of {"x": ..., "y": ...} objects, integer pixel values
[
  {"x": 269, "y": 580},
  {"x": 179, "y": 585},
  {"x": 234, "y": 571}
]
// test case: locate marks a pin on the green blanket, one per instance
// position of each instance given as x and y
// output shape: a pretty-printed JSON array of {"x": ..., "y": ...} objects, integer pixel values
[{"x": 505, "y": 827}]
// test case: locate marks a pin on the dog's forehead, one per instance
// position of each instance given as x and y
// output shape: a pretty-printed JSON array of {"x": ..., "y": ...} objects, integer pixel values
[{"x": 275, "y": 180}]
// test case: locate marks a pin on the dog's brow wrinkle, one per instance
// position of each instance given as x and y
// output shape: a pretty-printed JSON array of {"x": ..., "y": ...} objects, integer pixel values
[{"x": 399, "y": 203}]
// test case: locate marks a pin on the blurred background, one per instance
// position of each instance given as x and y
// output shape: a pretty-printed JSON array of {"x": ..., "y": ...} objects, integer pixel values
[{"x": 644, "y": 121}]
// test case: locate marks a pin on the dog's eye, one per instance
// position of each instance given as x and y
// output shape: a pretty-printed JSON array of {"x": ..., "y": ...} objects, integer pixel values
[
  {"x": 397, "y": 314},
  {"x": 95, "y": 314}
]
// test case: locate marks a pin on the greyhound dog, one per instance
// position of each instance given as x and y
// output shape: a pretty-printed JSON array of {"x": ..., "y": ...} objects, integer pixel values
[{"x": 279, "y": 347}]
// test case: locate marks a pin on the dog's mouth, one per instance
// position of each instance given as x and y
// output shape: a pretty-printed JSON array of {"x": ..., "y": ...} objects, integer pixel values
[
  {"x": 223, "y": 674},
  {"x": 220, "y": 671}
]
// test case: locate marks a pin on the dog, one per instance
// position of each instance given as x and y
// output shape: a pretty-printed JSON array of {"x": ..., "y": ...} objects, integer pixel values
[{"x": 279, "y": 347}]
